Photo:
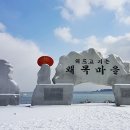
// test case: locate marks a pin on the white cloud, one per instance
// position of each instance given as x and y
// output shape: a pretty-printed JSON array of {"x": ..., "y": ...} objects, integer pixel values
[
  {"x": 22, "y": 54},
  {"x": 75, "y": 9},
  {"x": 64, "y": 33},
  {"x": 110, "y": 39},
  {"x": 119, "y": 45},
  {"x": 2, "y": 27},
  {"x": 93, "y": 42},
  {"x": 116, "y": 5},
  {"x": 124, "y": 19}
]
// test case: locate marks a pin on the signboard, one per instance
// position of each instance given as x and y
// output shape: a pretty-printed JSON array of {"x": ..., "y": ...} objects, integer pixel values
[
  {"x": 53, "y": 94},
  {"x": 87, "y": 63},
  {"x": 125, "y": 92},
  {"x": 89, "y": 66}
]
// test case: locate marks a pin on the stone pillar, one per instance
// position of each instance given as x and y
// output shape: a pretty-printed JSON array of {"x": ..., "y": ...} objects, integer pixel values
[
  {"x": 44, "y": 75},
  {"x": 9, "y": 91},
  {"x": 46, "y": 93}
]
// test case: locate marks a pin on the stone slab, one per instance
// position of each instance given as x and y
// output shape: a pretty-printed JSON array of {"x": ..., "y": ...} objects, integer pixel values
[
  {"x": 122, "y": 94},
  {"x": 90, "y": 66},
  {"x": 52, "y": 94}
]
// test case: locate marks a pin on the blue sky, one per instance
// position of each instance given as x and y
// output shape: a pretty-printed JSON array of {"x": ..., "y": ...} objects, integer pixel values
[
  {"x": 30, "y": 28},
  {"x": 37, "y": 20}
]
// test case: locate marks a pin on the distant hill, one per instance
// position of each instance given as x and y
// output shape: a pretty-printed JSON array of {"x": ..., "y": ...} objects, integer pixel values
[
  {"x": 105, "y": 90},
  {"x": 101, "y": 90}
]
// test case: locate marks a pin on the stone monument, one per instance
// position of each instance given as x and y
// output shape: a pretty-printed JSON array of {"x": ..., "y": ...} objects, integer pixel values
[
  {"x": 44, "y": 75},
  {"x": 46, "y": 93},
  {"x": 91, "y": 66},
  {"x": 122, "y": 94},
  {"x": 9, "y": 91}
]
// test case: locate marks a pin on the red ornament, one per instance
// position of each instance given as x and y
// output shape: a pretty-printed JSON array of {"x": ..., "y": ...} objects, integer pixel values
[{"x": 45, "y": 60}]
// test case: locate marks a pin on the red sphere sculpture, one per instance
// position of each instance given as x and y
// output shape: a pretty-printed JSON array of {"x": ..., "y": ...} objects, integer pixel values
[{"x": 45, "y": 60}]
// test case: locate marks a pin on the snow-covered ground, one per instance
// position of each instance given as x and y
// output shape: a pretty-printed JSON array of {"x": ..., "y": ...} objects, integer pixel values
[{"x": 74, "y": 117}]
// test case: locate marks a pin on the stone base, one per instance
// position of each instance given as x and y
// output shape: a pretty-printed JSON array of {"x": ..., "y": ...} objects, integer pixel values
[
  {"x": 9, "y": 99},
  {"x": 52, "y": 94},
  {"x": 122, "y": 94}
]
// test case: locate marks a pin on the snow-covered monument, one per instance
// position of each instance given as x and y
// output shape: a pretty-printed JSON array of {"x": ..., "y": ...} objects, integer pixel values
[
  {"x": 46, "y": 93},
  {"x": 9, "y": 91},
  {"x": 91, "y": 66},
  {"x": 76, "y": 68}
]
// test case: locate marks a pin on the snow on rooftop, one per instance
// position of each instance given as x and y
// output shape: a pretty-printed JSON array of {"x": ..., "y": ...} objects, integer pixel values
[{"x": 70, "y": 117}]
